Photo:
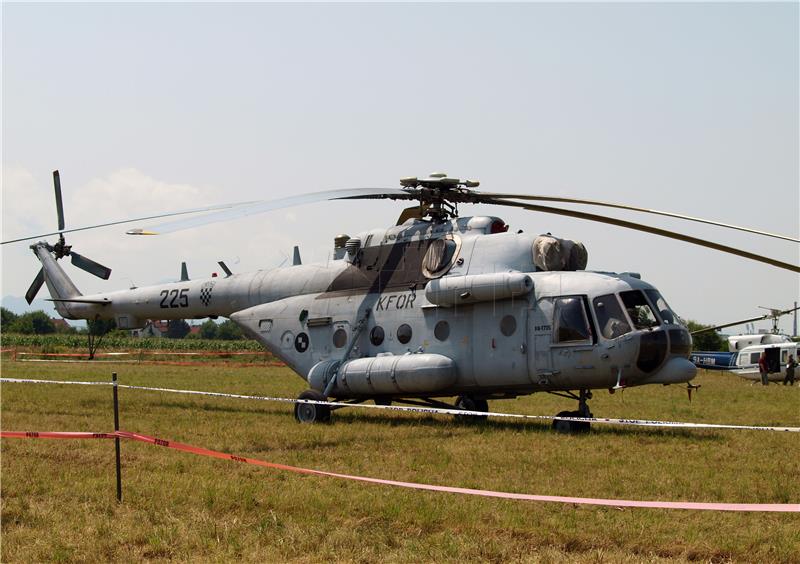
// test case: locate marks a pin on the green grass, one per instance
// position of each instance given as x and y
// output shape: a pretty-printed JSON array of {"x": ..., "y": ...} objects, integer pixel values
[{"x": 58, "y": 496}]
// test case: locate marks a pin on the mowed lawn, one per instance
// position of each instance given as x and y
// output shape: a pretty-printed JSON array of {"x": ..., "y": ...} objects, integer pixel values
[{"x": 58, "y": 497}]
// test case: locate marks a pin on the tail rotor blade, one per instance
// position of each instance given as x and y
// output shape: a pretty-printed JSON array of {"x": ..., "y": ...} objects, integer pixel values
[
  {"x": 90, "y": 266},
  {"x": 59, "y": 203},
  {"x": 35, "y": 286}
]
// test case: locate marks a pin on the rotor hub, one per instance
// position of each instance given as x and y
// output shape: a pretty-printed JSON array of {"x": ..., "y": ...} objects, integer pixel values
[{"x": 439, "y": 194}]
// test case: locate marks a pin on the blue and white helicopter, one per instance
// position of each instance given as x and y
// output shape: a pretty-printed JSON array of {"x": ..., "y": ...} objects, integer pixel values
[{"x": 743, "y": 352}]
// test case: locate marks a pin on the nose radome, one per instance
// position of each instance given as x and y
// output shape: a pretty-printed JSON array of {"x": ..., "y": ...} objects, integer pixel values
[{"x": 676, "y": 370}]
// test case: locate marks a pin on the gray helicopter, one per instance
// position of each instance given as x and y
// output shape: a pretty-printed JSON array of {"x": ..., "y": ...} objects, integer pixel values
[{"x": 437, "y": 306}]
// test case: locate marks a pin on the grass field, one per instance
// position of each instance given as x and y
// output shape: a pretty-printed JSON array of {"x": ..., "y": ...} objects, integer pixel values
[{"x": 58, "y": 496}]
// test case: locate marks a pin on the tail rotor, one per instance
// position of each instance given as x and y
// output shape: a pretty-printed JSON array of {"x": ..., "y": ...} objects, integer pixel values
[
  {"x": 61, "y": 249},
  {"x": 35, "y": 286}
]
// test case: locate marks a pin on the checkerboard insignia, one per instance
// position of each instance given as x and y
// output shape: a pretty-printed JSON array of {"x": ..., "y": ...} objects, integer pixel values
[{"x": 205, "y": 293}]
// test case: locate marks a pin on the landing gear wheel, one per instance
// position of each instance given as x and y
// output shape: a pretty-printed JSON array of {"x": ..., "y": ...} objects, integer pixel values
[
  {"x": 562, "y": 426},
  {"x": 383, "y": 401},
  {"x": 470, "y": 403},
  {"x": 312, "y": 412}
]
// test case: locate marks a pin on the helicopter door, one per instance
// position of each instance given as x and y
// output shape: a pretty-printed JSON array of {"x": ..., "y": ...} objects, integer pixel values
[
  {"x": 540, "y": 321},
  {"x": 773, "y": 359},
  {"x": 573, "y": 342},
  {"x": 499, "y": 349}
]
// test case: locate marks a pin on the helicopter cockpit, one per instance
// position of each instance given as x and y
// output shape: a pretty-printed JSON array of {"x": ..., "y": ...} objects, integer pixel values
[{"x": 662, "y": 335}]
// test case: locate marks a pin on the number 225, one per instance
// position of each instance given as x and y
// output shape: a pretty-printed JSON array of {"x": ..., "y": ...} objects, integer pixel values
[{"x": 181, "y": 298}]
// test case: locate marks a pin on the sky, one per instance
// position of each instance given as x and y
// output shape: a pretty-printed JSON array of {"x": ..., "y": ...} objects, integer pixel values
[{"x": 149, "y": 108}]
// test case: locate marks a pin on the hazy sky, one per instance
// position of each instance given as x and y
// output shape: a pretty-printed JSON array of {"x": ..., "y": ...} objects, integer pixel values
[{"x": 146, "y": 108}]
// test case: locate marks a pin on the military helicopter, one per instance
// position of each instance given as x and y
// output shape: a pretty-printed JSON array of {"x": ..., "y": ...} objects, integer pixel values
[{"x": 436, "y": 306}]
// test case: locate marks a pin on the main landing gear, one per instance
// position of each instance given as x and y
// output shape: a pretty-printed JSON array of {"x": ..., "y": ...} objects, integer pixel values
[
  {"x": 312, "y": 412},
  {"x": 471, "y": 403},
  {"x": 563, "y": 426},
  {"x": 319, "y": 413}
]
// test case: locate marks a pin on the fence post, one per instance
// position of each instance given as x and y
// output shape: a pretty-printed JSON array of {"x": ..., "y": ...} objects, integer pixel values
[{"x": 116, "y": 439}]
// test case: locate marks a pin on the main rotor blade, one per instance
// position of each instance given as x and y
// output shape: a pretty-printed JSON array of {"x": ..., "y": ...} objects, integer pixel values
[
  {"x": 59, "y": 203},
  {"x": 251, "y": 208},
  {"x": 532, "y": 197},
  {"x": 90, "y": 266},
  {"x": 743, "y": 321},
  {"x": 646, "y": 229},
  {"x": 35, "y": 286},
  {"x": 124, "y": 221}
]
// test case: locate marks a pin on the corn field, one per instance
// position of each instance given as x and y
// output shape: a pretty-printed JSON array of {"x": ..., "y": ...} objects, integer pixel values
[{"x": 57, "y": 343}]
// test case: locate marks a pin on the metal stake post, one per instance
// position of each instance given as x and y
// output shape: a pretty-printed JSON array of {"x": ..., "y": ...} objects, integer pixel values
[{"x": 116, "y": 439}]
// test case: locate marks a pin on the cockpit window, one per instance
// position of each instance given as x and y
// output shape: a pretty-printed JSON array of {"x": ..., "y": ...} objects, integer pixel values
[
  {"x": 638, "y": 309},
  {"x": 665, "y": 312},
  {"x": 571, "y": 322},
  {"x": 609, "y": 315}
]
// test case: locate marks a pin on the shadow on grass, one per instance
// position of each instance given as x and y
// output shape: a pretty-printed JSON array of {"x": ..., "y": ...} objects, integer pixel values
[
  {"x": 525, "y": 426},
  {"x": 351, "y": 418},
  {"x": 214, "y": 408}
]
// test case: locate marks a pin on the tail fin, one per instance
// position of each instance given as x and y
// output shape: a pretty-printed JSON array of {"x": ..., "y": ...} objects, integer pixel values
[{"x": 58, "y": 283}]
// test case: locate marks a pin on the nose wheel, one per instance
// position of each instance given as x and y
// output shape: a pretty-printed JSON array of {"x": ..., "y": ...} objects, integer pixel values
[
  {"x": 565, "y": 426},
  {"x": 471, "y": 403}
]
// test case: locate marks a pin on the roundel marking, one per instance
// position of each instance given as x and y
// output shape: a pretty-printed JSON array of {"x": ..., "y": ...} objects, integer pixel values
[
  {"x": 287, "y": 339},
  {"x": 301, "y": 343}
]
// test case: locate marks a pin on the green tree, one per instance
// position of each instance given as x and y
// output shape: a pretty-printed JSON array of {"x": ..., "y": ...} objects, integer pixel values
[
  {"x": 33, "y": 322},
  {"x": 96, "y": 330},
  {"x": 177, "y": 329},
  {"x": 229, "y": 331},
  {"x": 99, "y": 327},
  {"x": 208, "y": 330},
  {"x": 708, "y": 340},
  {"x": 66, "y": 329},
  {"x": 8, "y": 317}
]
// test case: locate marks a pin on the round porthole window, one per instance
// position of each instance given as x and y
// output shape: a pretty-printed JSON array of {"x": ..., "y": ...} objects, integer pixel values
[
  {"x": 442, "y": 330},
  {"x": 440, "y": 256},
  {"x": 508, "y": 325},
  {"x": 339, "y": 338},
  {"x": 376, "y": 335},
  {"x": 404, "y": 333}
]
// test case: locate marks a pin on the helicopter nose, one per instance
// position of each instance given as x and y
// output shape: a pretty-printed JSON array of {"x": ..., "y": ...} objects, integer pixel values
[{"x": 676, "y": 371}]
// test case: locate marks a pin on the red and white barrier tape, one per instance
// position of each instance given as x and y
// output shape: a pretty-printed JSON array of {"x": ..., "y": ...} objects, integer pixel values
[
  {"x": 431, "y": 410},
  {"x": 55, "y": 435},
  {"x": 761, "y": 507}
]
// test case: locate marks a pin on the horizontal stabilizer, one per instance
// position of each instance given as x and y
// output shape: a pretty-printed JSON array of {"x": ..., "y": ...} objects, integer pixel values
[
  {"x": 225, "y": 269},
  {"x": 79, "y": 301}
]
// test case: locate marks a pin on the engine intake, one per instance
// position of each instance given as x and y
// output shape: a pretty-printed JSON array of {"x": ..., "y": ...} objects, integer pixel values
[{"x": 458, "y": 290}]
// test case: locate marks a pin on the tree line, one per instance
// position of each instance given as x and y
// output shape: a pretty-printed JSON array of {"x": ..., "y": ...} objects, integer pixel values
[{"x": 39, "y": 323}]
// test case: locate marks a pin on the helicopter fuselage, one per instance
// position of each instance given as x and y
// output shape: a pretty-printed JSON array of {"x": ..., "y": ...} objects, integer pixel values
[{"x": 430, "y": 309}]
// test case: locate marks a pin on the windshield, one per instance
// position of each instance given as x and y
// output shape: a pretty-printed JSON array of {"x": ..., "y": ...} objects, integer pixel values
[
  {"x": 666, "y": 313},
  {"x": 638, "y": 309},
  {"x": 610, "y": 318}
]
